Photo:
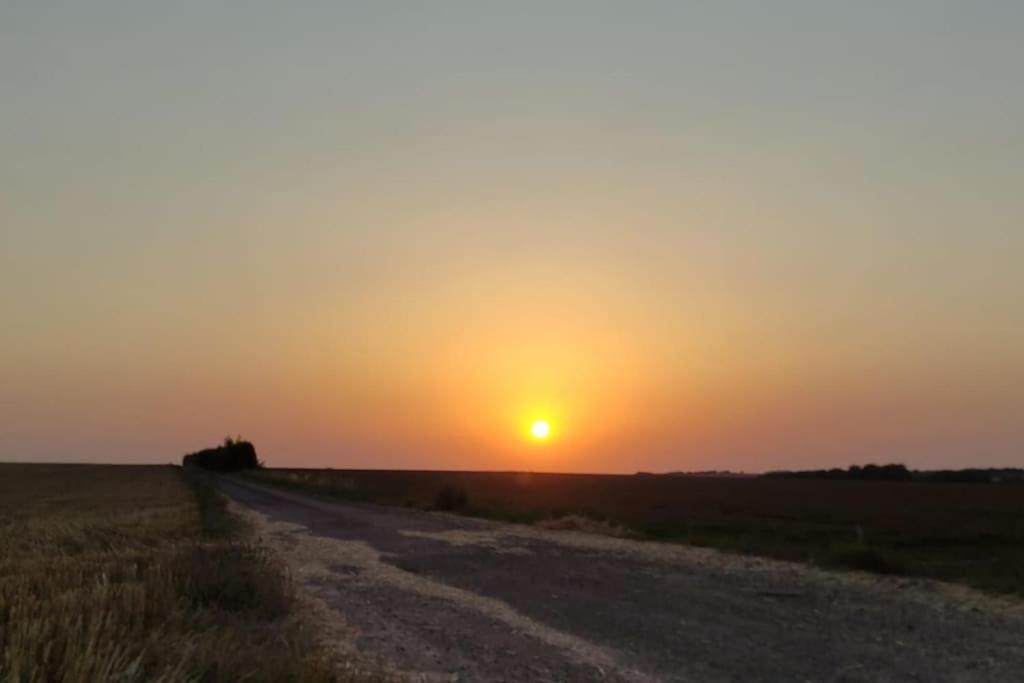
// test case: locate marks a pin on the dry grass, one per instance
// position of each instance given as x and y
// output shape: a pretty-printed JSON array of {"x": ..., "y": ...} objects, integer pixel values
[
  {"x": 124, "y": 574},
  {"x": 587, "y": 525}
]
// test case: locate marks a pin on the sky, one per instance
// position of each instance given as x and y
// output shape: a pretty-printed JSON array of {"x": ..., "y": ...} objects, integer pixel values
[{"x": 688, "y": 235}]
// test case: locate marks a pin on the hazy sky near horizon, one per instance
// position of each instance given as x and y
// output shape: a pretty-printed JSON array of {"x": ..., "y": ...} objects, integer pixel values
[{"x": 692, "y": 235}]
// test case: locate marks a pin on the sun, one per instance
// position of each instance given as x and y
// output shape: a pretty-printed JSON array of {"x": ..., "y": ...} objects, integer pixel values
[{"x": 540, "y": 430}]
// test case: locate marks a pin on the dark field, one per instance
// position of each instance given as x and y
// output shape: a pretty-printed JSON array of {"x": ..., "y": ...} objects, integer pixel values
[{"x": 968, "y": 533}]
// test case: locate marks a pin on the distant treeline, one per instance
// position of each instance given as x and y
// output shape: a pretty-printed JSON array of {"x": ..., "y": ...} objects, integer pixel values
[
  {"x": 231, "y": 456},
  {"x": 712, "y": 474},
  {"x": 897, "y": 472},
  {"x": 985, "y": 476}
]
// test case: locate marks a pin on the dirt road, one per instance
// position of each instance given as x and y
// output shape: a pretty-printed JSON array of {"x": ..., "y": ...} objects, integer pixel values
[{"x": 443, "y": 597}]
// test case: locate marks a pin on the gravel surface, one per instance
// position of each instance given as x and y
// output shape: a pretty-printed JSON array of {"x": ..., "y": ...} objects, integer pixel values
[{"x": 443, "y": 597}]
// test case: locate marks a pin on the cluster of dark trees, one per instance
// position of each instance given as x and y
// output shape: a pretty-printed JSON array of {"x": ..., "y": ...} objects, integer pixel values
[
  {"x": 867, "y": 472},
  {"x": 230, "y": 456},
  {"x": 901, "y": 473}
]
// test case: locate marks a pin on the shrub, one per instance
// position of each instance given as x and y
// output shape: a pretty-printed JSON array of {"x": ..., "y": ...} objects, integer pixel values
[
  {"x": 450, "y": 497},
  {"x": 868, "y": 560}
]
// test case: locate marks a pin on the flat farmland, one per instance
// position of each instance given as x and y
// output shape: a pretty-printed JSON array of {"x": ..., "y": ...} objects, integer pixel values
[
  {"x": 967, "y": 533},
  {"x": 140, "y": 573}
]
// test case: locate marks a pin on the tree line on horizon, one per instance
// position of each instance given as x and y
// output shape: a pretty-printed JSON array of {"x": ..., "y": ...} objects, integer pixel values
[{"x": 900, "y": 472}]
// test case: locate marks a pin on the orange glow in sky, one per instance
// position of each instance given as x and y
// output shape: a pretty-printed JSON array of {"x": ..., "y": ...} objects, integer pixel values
[{"x": 680, "y": 243}]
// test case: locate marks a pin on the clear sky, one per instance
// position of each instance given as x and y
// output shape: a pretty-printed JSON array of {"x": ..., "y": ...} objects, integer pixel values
[{"x": 689, "y": 235}]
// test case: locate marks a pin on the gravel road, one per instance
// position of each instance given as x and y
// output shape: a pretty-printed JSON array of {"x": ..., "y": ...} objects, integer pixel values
[{"x": 443, "y": 597}]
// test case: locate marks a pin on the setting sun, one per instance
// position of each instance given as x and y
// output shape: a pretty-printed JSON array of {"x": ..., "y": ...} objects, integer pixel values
[{"x": 540, "y": 430}]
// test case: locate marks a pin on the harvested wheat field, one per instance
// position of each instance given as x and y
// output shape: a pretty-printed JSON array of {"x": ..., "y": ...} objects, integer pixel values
[{"x": 135, "y": 574}]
